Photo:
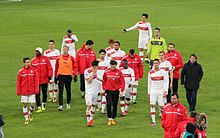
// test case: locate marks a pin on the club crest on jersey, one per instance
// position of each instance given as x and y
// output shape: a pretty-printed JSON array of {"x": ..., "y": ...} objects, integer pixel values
[
  {"x": 116, "y": 73},
  {"x": 175, "y": 55},
  {"x": 178, "y": 109},
  {"x": 43, "y": 60},
  {"x": 31, "y": 71},
  {"x": 135, "y": 59}
]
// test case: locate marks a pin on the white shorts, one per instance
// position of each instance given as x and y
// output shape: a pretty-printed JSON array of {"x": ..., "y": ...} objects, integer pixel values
[
  {"x": 135, "y": 83},
  {"x": 126, "y": 93},
  {"x": 143, "y": 42},
  {"x": 28, "y": 99},
  {"x": 157, "y": 98},
  {"x": 52, "y": 86},
  {"x": 91, "y": 99}
]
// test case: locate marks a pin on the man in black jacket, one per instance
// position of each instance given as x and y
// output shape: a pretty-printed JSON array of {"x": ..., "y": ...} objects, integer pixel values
[{"x": 191, "y": 76}]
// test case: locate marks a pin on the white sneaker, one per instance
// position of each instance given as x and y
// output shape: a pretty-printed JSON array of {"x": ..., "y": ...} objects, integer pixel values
[
  {"x": 68, "y": 106},
  {"x": 60, "y": 108}
]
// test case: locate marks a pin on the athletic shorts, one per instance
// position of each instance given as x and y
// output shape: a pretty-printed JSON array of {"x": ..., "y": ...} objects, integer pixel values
[
  {"x": 126, "y": 93},
  {"x": 143, "y": 42},
  {"x": 28, "y": 99},
  {"x": 157, "y": 98},
  {"x": 91, "y": 99}
]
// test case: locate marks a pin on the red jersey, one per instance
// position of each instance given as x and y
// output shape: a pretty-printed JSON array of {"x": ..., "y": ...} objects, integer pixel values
[
  {"x": 84, "y": 59},
  {"x": 172, "y": 115},
  {"x": 136, "y": 64},
  {"x": 176, "y": 61},
  {"x": 113, "y": 80},
  {"x": 27, "y": 81},
  {"x": 44, "y": 68}
]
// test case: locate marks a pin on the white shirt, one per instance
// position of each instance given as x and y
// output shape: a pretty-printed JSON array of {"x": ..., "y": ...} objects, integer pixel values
[
  {"x": 128, "y": 75},
  {"x": 166, "y": 65},
  {"x": 52, "y": 55},
  {"x": 70, "y": 42},
  {"x": 158, "y": 81},
  {"x": 144, "y": 28},
  {"x": 102, "y": 67},
  {"x": 94, "y": 86},
  {"x": 117, "y": 55}
]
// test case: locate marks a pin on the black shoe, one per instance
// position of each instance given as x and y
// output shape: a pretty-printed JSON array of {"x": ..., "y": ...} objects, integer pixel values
[{"x": 134, "y": 102}]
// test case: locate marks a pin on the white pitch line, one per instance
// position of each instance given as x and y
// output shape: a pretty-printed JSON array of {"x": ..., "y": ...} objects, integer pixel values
[
  {"x": 105, "y": 31},
  {"x": 104, "y": 7}
]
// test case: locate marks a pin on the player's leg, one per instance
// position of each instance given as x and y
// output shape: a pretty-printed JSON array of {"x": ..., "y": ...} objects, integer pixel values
[
  {"x": 92, "y": 112},
  {"x": 50, "y": 90},
  {"x": 44, "y": 100},
  {"x": 127, "y": 100},
  {"x": 115, "y": 97},
  {"x": 88, "y": 107},
  {"x": 109, "y": 106},
  {"x": 67, "y": 81},
  {"x": 141, "y": 48},
  {"x": 32, "y": 102},
  {"x": 122, "y": 105},
  {"x": 153, "y": 99},
  {"x": 160, "y": 104},
  {"x": 147, "y": 60},
  {"x": 61, "y": 87},
  {"x": 134, "y": 90},
  {"x": 103, "y": 101},
  {"x": 55, "y": 92},
  {"x": 38, "y": 100},
  {"x": 24, "y": 100},
  {"x": 99, "y": 101},
  {"x": 82, "y": 85}
]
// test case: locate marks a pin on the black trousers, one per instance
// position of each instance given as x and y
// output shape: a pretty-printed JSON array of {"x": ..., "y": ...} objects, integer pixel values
[
  {"x": 191, "y": 98},
  {"x": 64, "y": 80},
  {"x": 112, "y": 100},
  {"x": 42, "y": 87},
  {"x": 82, "y": 83},
  {"x": 175, "y": 89}
]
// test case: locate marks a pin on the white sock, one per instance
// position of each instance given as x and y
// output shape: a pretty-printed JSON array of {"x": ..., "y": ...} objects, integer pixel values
[
  {"x": 103, "y": 102},
  {"x": 92, "y": 112},
  {"x": 153, "y": 113},
  {"x": 127, "y": 102},
  {"x": 55, "y": 93},
  {"x": 99, "y": 101},
  {"x": 31, "y": 108},
  {"x": 141, "y": 54},
  {"x": 25, "y": 112},
  {"x": 87, "y": 115},
  {"x": 134, "y": 94},
  {"x": 122, "y": 105},
  {"x": 51, "y": 94}
]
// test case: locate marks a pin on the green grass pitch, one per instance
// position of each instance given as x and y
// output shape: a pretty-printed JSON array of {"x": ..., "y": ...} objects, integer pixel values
[{"x": 193, "y": 25}]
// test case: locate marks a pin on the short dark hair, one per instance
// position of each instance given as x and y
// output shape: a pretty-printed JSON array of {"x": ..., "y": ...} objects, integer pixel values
[
  {"x": 102, "y": 50},
  {"x": 157, "y": 28},
  {"x": 89, "y": 42},
  {"x": 193, "y": 55},
  {"x": 171, "y": 44},
  {"x": 156, "y": 59},
  {"x": 132, "y": 51},
  {"x": 125, "y": 60},
  {"x": 113, "y": 62},
  {"x": 145, "y": 14},
  {"x": 162, "y": 52},
  {"x": 26, "y": 58},
  {"x": 118, "y": 42},
  {"x": 193, "y": 114},
  {"x": 95, "y": 63},
  {"x": 175, "y": 94},
  {"x": 52, "y": 41},
  {"x": 69, "y": 31}
]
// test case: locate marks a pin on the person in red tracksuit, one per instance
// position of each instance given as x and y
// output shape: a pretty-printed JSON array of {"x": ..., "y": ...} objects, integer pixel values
[
  {"x": 113, "y": 84},
  {"x": 173, "y": 114},
  {"x": 182, "y": 125},
  {"x": 134, "y": 62},
  {"x": 176, "y": 61},
  {"x": 84, "y": 58},
  {"x": 27, "y": 86},
  {"x": 45, "y": 72}
]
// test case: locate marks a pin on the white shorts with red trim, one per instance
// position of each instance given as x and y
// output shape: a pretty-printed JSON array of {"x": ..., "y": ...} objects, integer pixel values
[
  {"x": 91, "y": 99},
  {"x": 143, "y": 42},
  {"x": 126, "y": 93},
  {"x": 28, "y": 99}
]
